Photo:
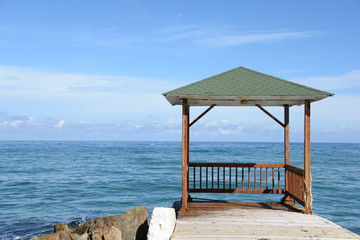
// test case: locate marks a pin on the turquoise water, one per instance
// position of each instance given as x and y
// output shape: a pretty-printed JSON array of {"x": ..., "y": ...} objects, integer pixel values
[{"x": 45, "y": 183}]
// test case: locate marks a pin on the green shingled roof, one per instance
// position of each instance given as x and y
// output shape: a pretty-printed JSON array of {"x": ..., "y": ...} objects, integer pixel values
[{"x": 242, "y": 86}]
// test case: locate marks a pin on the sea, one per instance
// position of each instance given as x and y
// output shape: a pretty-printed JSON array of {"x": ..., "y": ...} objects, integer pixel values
[{"x": 43, "y": 183}]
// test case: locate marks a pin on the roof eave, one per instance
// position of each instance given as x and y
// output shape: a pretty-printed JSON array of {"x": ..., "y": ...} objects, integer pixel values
[{"x": 207, "y": 100}]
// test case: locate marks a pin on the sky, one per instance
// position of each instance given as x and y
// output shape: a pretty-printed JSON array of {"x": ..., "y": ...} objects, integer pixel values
[{"x": 96, "y": 70}]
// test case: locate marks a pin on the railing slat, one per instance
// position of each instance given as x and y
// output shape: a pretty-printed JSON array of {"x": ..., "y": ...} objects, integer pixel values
[
  {"x": 223, "y": 177},
  {"x": 218, "y": 175},
  {"x": 254, "y": 177},
  {"x": 194, "y": 178},
  {"x": 212, "y": 177},
  {"x": 229, "y": 177},
  {"x": 207, "y": 175},
  {"x": 204, "y": 178},
  {"x": 200, "y": 180},
  {"x": 267, "y": 179},
  {"x": 278, "y": 178},
  {"x": 236, "y": 174},
  {"x": 249, "y": 174},
  {"x": 261, "y": 178},
  {"x": 273, "y": 178},
  {"x": 242, "y": 178}
]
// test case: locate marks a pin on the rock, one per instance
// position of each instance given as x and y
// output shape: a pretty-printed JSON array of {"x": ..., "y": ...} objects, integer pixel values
[
  {"x": 85, "y": 236},
  {"x": 112, "y": 234},
  {"x": 162, "y": 224},
  {"x": 61, "y": 227},
  {"x": 60, "y": 235},
  {"x": 131, "y": 225}
]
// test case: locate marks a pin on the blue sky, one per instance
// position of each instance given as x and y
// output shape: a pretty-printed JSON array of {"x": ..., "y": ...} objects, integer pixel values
[{"x": 95, "y": 70}]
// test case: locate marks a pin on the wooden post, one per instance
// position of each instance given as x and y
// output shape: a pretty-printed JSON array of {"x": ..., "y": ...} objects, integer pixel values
[
  {"x": 185, "y": 154},
  {"x": 286, "y": 135},
  {"x": 287, "y": 199},
  {"x": 307, "y": 170}
]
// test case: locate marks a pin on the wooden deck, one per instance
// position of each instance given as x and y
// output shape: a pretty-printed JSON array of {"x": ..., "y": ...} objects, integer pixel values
[{"x": 261, "y": 221}]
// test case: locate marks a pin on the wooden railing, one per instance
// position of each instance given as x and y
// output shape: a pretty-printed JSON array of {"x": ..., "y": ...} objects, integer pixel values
[
  {"x": 295, "y": 186},
  {"x": 237, "y": 177}
]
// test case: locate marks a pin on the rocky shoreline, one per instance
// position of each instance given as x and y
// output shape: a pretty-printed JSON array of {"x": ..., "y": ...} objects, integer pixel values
[{"x": 131, "y": 225}]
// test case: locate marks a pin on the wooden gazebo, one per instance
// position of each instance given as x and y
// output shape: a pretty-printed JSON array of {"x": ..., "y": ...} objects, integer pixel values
[{"x": 245, "y": 87}]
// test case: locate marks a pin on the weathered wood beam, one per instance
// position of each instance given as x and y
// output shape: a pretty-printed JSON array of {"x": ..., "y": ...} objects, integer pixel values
[
  {"x": 270, "y": 115},
  {"x": 234, "y": 102},
  {"x": 292, "y": 196},
  {"x": 287, "y": 198},
  {"x": 286, "y": 135},
  {"x": 307, "y": 169},
  {"x": 238, "y": 190},
  {"x": 185, "y": 154},
  {"x": 201, "y": 115},
  {"x": 295, "y": 169},
  {"x": 248, "y": 165}
]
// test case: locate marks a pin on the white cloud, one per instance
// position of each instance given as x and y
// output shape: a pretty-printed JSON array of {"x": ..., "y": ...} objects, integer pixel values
[
  {"x": 16, "y": 121},
  {"x": 31, "y": 79},
  {"x": 329, "y": 130},
  {"x": 211, "y": 124},
  {"x": 60, "y": 124},
  {"x": 346, "y": 80},
  {"x": 225, "y": 122},
  {"x": 225, "y": 36},
  {"x": 92, "y": 98},
  {"x": 241, "y": 38},
  {"x": 14, "y": 124},
  {"x": 240, "y": 128},
  {"x": 224, "y": 131},
  {"x": 34, "y": 81},
  {"x": 198, "y": 34},
  {"x": 134, "y": 126},
  {"x": 214, "y": 123},
  {"x": 173, "y": 122}
]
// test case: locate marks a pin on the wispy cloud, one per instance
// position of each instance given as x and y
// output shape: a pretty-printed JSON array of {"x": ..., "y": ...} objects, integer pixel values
[
  {"x": 15, "y": 121},
  {"x": 79, "y": 97},
  {"x": 196, "y": 34},
  {"x": 20, "y": 80},
  {"x": 346, "y": 80},
  {"x": 60, "y": 124},
  {"x": 242, "y": 38},
  {"x": 226, "y": 36},
  {"x": 191, "y": 35}
]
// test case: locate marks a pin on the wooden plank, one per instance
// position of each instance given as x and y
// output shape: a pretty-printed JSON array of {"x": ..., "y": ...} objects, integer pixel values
[
  {"x": 257, "y": 165},
  {"x": 237, "y": 190},
  {"x": 253, "y": 221},
  {"x": 295, "y": 169}
]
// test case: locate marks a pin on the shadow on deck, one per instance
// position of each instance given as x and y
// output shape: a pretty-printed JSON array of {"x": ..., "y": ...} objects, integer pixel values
[{"x": 201, "y": 206}]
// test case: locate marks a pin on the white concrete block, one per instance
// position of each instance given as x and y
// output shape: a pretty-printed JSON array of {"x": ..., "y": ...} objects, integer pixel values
[{"x": 162, "y": 224}]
